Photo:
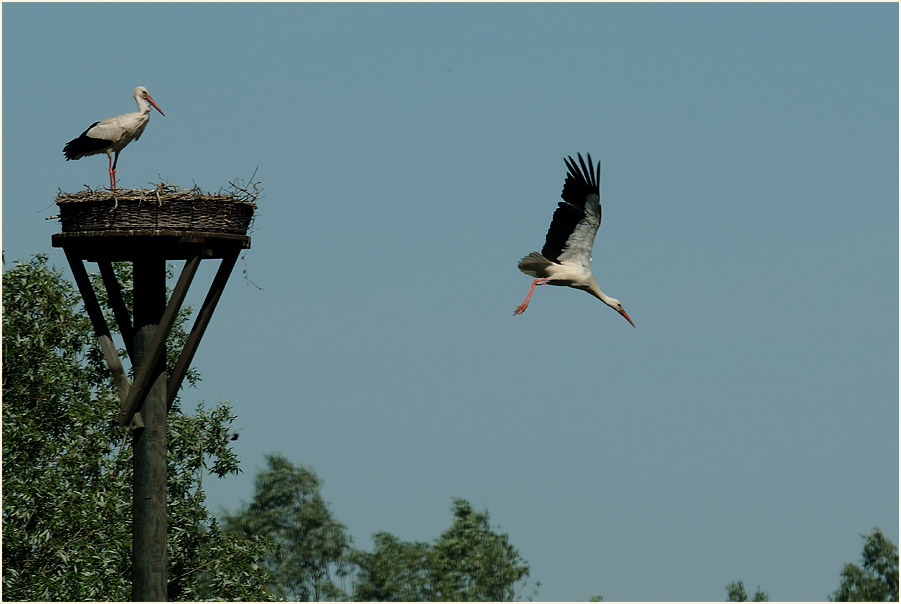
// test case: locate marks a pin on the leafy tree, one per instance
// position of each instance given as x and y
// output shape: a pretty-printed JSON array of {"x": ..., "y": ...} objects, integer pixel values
[
  {"x": 469, "y": 562},
  {"x": 395, "y": 571},
  {"x": 288, "y": 508},
  {"x": 67, "y": 471},
  {"x": 736, "y": 591},
  {"x": 876, "y": 579}
]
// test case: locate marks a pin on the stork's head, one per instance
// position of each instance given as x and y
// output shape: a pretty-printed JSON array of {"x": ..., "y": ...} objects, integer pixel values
[
  {"x": 142, "y": 94},
  {"x": 618, "y": 307}
]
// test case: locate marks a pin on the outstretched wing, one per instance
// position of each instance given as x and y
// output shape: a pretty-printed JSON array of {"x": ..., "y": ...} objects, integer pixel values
[{"x": 577, "y": 218}]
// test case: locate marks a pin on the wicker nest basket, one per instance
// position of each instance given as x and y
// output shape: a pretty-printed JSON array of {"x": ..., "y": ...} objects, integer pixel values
[{"x": 164, "y": 208}]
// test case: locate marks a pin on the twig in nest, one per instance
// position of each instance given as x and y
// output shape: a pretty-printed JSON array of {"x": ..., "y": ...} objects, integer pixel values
[{"x": 243, "y": 191}]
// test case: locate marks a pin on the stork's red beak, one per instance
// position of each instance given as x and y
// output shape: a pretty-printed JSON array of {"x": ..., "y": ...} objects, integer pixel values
[
  {"x": 626, "y": 315},
  {"x": 157, "y": 107}
]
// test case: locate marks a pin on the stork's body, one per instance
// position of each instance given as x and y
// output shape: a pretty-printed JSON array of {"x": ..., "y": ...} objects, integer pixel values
[
  {"x": 566, "y": 256},
  {"x": 111, "y": 135}
]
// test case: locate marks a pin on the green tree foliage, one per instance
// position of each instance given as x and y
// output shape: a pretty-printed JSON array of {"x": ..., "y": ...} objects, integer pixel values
[
  {"x": 876, "y": 578},
  {"x": 736, "y": 593},
  {"x": 469, "y": 562},
  {"x": 288, "y": 508},
  {"x": 67, "y": 465}
]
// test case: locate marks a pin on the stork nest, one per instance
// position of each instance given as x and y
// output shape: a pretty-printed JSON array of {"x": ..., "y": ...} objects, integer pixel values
[{"x": 163, "y": 208}]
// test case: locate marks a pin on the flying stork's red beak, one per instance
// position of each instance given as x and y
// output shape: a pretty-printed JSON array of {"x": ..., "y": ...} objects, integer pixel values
[
  {"x": 626, "y": 315},
  {"x": 157, "y": 107}
]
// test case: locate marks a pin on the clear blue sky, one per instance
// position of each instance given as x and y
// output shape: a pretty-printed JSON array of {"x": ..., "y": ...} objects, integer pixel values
[{"x": 411, "y": 154}]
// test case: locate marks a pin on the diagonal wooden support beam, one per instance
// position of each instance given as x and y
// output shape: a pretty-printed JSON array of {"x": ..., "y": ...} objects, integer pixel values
[
  {"x": 117, "y": 303},
  {"x": 101, "y": 329},
  {"x": 158, "y": 342},
  {"x": 200, "y": 324}
]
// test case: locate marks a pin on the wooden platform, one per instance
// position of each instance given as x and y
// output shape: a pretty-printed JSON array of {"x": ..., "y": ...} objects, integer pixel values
[{"x": 131, "y": 245}]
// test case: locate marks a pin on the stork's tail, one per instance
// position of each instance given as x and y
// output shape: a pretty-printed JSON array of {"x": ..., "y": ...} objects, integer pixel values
[{"x": 535, "y": 265}]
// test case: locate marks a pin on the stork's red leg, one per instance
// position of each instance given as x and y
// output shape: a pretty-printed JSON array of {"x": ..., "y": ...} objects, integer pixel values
[
  {"x": 525, "y": 303},
  {"x": 113, "y": 163},
  {"x": 112, "y": 171}
]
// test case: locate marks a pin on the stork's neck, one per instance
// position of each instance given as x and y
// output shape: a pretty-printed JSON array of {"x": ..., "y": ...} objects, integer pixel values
[
  {"x": 597, "y": 293},
  {"x": 143, "y": 106}
]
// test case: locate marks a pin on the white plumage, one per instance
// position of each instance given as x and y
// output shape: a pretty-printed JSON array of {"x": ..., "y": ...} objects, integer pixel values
[
  {"x": 566, "y": 256},
  {"x": 111, "y": 135}
]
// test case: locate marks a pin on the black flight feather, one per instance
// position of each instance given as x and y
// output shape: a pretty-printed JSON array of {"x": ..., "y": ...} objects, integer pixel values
[
  {"x": 579, "y": 184},
  {"x": 85, "y": 145}
]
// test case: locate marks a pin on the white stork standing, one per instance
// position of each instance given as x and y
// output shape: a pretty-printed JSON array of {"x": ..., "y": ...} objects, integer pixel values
[
  {"x": 111, "y": 135},
  {"x": 566, "y": 255}
]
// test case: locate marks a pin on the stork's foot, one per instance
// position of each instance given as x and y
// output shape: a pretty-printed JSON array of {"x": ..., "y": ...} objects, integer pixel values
[{"x": 525, "y": 303}]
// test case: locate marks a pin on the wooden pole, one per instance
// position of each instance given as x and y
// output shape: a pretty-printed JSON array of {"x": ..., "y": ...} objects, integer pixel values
[
  {"x": 144, "y": 375},
  {"x": 149, "y": 563}
]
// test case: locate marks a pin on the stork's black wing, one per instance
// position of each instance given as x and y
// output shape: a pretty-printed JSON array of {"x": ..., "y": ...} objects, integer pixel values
[
  {"x": 578, "y": 216},
  {"x": 85, "y": 145}
]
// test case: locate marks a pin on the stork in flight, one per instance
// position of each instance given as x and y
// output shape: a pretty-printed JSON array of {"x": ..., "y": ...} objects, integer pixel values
[
  {"x": 566, "y": 255},
  {"x": 111, "y": 135}
]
